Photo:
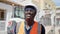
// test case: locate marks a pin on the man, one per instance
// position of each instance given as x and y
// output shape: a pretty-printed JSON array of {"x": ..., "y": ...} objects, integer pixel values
[{"x": 29, "y": 26}]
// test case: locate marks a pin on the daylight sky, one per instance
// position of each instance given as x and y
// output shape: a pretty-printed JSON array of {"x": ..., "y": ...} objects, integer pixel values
[{"x": 57, "y": 2}]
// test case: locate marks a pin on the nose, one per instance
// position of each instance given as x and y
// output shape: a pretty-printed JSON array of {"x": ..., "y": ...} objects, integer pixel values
[{"x": 28, "y": 11}]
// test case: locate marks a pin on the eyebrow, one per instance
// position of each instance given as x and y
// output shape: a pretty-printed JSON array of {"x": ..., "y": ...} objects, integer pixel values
[{"x": 29, "y": 9}]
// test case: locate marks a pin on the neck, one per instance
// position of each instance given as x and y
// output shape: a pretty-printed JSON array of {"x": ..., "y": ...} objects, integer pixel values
[{"x": 30, "y": 23}]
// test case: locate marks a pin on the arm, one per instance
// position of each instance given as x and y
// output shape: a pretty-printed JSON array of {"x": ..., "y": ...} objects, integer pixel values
[{"x": 43, "y": 29}]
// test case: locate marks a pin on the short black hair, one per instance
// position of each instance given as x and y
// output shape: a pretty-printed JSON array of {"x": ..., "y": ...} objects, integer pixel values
[{"x": 30, "y": 6}]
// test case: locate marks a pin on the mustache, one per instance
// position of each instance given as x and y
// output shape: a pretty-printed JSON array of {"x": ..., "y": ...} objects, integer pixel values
[{"x": 28, "y": 13}]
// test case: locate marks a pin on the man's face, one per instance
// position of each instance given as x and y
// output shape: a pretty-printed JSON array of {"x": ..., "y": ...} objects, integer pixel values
[{"x": 29, "y": 13}]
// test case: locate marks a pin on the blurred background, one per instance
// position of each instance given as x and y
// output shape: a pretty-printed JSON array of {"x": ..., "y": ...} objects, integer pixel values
[{"x": 12, "y": 13}]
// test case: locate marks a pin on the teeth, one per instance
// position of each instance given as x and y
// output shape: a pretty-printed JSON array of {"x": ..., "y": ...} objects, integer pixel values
[{"x": 28, "y": 15}]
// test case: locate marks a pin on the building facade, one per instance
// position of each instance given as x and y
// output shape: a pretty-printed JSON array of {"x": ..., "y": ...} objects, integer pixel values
[
  {"x": 57, "y": 23},
  {"x": 47, "y": 12},
  {"x": 9, "y": 10}
]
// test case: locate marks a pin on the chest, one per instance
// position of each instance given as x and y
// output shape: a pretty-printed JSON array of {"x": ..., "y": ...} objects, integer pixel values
[{"x": 33, "y": 30}]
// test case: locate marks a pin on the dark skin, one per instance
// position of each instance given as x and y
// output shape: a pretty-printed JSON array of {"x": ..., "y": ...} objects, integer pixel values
[{"x": 29, "y": 17}]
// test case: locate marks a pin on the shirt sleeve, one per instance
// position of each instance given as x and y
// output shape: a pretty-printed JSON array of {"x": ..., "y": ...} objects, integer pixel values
[{"x": 43, "y": 30}]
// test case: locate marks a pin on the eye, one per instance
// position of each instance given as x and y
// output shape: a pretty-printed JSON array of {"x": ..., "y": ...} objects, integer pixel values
[
  {"x": 31, "y": 10},
  {"x": 26, "y": 10}
]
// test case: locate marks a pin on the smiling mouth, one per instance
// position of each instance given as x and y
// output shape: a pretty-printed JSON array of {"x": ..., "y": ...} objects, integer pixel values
[{"x": 28, "y": 16}]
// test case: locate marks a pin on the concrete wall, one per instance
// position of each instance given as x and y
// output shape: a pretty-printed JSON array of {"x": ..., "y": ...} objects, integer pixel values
[{"x": 57, "y": 28}]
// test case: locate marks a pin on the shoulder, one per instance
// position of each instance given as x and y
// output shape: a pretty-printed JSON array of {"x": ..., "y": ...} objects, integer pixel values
[
  {"x": 42, "y": 26},
  {"x": 22, "y": 23},
  {"x": 43, "y": 29}
]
